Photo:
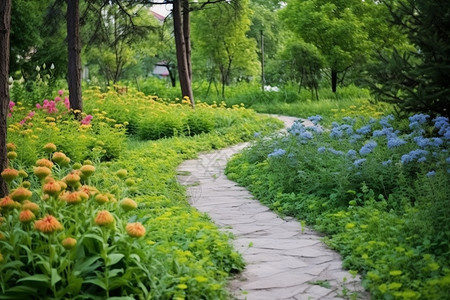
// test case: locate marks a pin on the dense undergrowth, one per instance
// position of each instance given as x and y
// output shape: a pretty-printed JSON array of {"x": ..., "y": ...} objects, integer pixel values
[
  {"x": 379, "y": 188},
  {"x": 94, "y": 213}
]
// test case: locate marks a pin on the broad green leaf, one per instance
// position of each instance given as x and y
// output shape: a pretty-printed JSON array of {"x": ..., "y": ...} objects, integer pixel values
[
  {"x": 115, "y": 272},
  {"x": 55, "y": 277},
  {"x": 97, "y": 282},
  {"x": 37, "y": 278},
  {"x": 114, "y": 258}
]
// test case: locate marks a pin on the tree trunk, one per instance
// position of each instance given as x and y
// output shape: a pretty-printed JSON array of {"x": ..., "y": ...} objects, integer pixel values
[
  {"x": 5, "y": 23},
  {"x": 74, "y": 51},
  {"x": 183, "y": 69},
  {"x": 187, "y": 35},
  {"x": 334, "y": 79}
]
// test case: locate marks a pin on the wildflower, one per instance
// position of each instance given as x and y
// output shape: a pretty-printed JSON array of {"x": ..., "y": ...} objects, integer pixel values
[
  {"x": 86, "y": 120},
  {"x": 87, "y": 170},
  {"x": 418, "y": 118},
  {"x": 395, "y": 142},
  {"x": 72, "y": 198},
  {"x": 21, "y": 194},
  {"x": 101, "y": 198},
  {"x": 358, "y": 162},
  {"x": 277, "y": 153},
  {"x": 306, "y": 135},
  {"x": 336, "y": 133},
  {"x": 60, "y": 92},
  {"x": 335, "y": 152},
  {"x": 431, "y": 173},
  {"x": 7, "y": 202},
  {"x": 104, "y": 218},
  {"x": 30, "y": 206},
  {"x": 26, "y": 184},
  {"x": 413, "y": 155},
  {"x": 43, "y": 162},
  {"x": 26, "y": 216},
  {"x": 11, "y": 155},
  {"x": 122, "y": 173},
  {"x": 321, "y": 149},
  {"x": 315, "y": 119},
  {"x": 72, "y": 179},
  {"x": 84, "y": 196},
  {"x": 351, "y": 153},
  {"x": 89, "y": 190},
  {"x": 59, "y": 158},
  {"x": 62, "y": 184},
  {"x": 69, "y": 243},
  {"x": 385, "y": 121},
  {"x": 42, "y": 172},
  {"x": 50, "y": 147},
  {"x": 52, "y": 188},
  {"x": 386, "y": 163},
  {"x": 367, "y": 148},
  {"x": 365, "y": 129},
  {"x": 135, "y": 229},
  {"x": 10, "y": 147},
  {"x": 9, "y": 174},
  {"x": 128, "y": 204},
  {"x": 130, "y": 182},
  {"x": 48, "y": 224}
]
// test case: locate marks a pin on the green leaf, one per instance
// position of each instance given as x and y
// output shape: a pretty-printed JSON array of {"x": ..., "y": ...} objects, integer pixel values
[
  {"x": 114, "y": 258},
  {"x": 88, "y": 265},
  {"x": 36, "y": 278},
  {"x": 94, "y": 236},
  {"x": 97, "y": 282},
  {"x": 55, "y": 277},
  {"x": 18, "y": 292},
  {"x": 121, "y": 298},
  {"x": 114, "y": 272}
]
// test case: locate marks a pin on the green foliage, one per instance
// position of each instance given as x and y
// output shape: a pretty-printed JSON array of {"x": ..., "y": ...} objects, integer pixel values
[
  {"x": 181, "y": 255},
  {"x": 379, "y": 193},
  {"x": 416, "y": 80}
]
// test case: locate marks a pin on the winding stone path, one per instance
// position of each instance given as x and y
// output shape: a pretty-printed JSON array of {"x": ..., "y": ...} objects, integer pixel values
[{"x": 284, "y": 260}]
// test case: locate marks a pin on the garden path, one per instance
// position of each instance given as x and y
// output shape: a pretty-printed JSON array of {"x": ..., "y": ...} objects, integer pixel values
[{"x": 284, "y": 260}]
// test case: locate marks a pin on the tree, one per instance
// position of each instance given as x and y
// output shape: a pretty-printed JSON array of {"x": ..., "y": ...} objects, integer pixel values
[
  {"x": 74, "y": 53},
  {"x": 334, "y": 27},
  {"x": 228, "y": 51},
  {"x": 5, "y": 23},
  {"x": 418, "y": 80}
]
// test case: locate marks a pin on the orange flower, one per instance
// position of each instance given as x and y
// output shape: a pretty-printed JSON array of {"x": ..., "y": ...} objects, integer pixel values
[
  {"x": 11, "y": 155},
  {"x": 42, "y": 172},
  {"x": 72, "y": 198},
  {"x": 90, "y": 190},
  {"x": 87, "y": 170},
  {"x": 84, "y": 196},
  {"x": 23, "y": 174},
  {"x": 9, "y": 174},
  {"x": 101, "y": 198},
  {"x": 52, "y": 188},
  {"x": 104, "y": 218},
  {"x": 26, "y": 216},
  {"x": 30, "y": 205},
  {"x": 7, "y": 202},
  {"x": 48, "y": 224},
  {"x": 69, "y": 243},
  {"x": 135, "y": 229},
  {"x": 62, "y": 184},
  {"x": 50, "y": 147},
  {"x": 21, "y": 194},
  {"x": 43, "y": 162},
  {"x": 72, "y": 179},
  {"x": 128, "y": 204},
  {"x": 59, "y": 158},
  {"x": 11, "y": 147}
]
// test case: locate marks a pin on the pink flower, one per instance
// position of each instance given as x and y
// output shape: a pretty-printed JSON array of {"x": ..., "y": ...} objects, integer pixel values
[
  {"x": 57, "y": 99},
  {"x": 87, "y": 120},
  {"x": 38, "y": 106},
  {"x": 31, "y": 114},
  {"x": 67, "y": 103},
  {"x": 23, "y": 121},
  {"x": 9, "y": 115},
  {"x": 60, "y": 92},
  {"x": 11, "y": 105}
]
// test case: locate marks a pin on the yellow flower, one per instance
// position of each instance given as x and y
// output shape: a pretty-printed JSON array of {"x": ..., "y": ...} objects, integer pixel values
[
  {"x": 69, "y": 243},
  {"x": 59, "y": 158},
  {"x": 128, "y": 204},
  {"x": 48, "y": 224},
  {"x": 11, "y": 155},
  {"x": 11, "y": 147},
  {"x": 87, "y": 170},
  {"x": 50, "y": 147}
]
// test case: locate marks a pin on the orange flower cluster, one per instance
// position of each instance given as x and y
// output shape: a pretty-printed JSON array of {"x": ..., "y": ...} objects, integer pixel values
[
  {"x": 104, "y": 218},
  {"x": 26, "y": 216},
  {"x": 128, "y": 204},
  {"x": 48, "y": 224},
  {"x": 135, "y": 229},
  {"x": 69, "y": 243},
  {"x": 9, "y": 174}
]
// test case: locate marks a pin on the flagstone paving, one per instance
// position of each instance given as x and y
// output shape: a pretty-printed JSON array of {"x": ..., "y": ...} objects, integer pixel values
[{"x": 283, "y": 259}]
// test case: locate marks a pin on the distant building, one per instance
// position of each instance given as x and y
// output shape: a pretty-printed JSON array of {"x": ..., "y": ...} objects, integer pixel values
[{"x": 160, "y": 70}]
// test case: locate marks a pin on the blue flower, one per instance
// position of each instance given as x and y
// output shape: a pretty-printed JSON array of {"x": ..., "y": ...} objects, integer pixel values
[
  {"x": 349, "y": 120},
  {"x": 351, "y": 153},
  {"x": 277, "y": 153},
  {"x": 442, "y": 124},
  {"x": 419, "y": 118},
  {"x": 395, "y": 142},
  {"x": 257, "y": 134},
  {"x": 385, "y": 121},
  {"x": 386, "y": 163},
  {"x": 448, "y": 160},
  {"x": 306, "y": 135},
  {"x": 336, "y": 133},
  {"x": 315, "y": 119},
  {"x": 422, "y": 159},
  {"x": 364, "y": 130},
  {"x": 358, "y": 162},
  {"x": 413, "y": 155},
  {"x": 348, "y": 129},
  {"x": 316, "y": 129},
  {"x": 321, "y": 149},
  {"x": 335, "y": 152},
  {"x": 354, "y": 138},
  {"x": 431, "y": 173},
  {"x": 367, "y": 148}
]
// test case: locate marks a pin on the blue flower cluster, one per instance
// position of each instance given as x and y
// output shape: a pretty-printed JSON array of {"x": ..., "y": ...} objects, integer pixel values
[
  {"x": 277, "y": 153},
  {"x": 367, "y": 148},
  {"x": 303, "y": 132},
  {"x": 315, "y": 119}
]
